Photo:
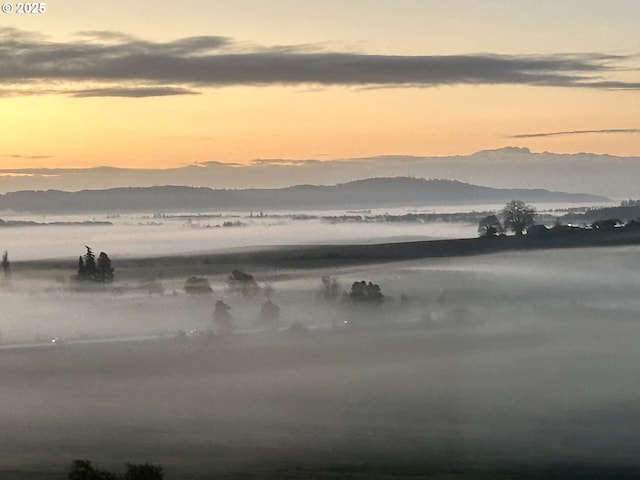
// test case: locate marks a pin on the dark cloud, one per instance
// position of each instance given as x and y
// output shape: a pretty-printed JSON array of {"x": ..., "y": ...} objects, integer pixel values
[
  {"x": 576, "y": 132},
  {"x": 142, "y": 68},
  {"x": 132, "y": 92}
]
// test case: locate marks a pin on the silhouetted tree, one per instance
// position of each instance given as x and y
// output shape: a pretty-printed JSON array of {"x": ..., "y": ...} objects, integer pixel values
[
  {"x": 90, "y": 270},
  {"x": 363, "y": 292},
  {"x": 145, "y": 471},
  {"x": 490, "y": 226},
  {"x": 517, "y": 216},
  {"x": 6, "y": 268},
  {"x": 242, "y": 282},
  {"x": 104, "y": 270},
  {"x": 83, "y": 470}
]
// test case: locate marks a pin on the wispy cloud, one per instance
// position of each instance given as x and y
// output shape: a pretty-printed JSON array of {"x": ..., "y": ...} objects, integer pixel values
[
  {"x": 575, "y": 132},
  {"x": 25, "y": 157},
  {"x": 283, "y": 162},
  {"x": 106, "y": 36},
  {"x": 106, "y": 63}
]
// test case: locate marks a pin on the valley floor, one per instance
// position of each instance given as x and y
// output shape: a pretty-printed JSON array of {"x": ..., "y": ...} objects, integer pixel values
[{"x": 517, "y": 364}]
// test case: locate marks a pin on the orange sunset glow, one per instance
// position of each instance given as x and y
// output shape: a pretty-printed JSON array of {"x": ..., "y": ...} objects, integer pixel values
[{"x": 312, "y": 82}]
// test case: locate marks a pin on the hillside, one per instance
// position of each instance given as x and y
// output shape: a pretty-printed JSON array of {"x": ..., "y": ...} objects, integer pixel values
[
  {"x": 510, "y": 167},
  {"x": 374, "y": 192}
]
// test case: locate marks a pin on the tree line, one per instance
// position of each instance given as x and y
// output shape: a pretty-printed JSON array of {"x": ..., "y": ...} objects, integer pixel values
[
  {"x": 84, "y": 470},
  {"x": 519, "y": 217}
]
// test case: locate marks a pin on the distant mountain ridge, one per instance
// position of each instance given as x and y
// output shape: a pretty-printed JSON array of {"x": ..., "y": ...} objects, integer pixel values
[
  {"x": 372, "y": 192},
  {"x": 508, "y": 167}
]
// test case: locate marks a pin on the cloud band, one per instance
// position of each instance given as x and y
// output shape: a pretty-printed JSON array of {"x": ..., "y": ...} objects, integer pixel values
[
  {"x": 575, "y": 132},
  {"x": 115, "y": 64}
]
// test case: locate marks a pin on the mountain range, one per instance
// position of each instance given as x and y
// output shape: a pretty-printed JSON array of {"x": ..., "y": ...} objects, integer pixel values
[
  {"x": 510, "y": 167},
  {"x": 373, "y": 192}
]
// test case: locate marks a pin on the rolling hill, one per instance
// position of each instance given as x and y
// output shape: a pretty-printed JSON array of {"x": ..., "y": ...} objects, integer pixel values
[{"x": 373, "y": 192}]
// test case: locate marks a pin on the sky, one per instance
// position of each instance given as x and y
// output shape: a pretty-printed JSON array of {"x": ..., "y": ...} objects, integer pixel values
[{"x": 150, "y": 84}]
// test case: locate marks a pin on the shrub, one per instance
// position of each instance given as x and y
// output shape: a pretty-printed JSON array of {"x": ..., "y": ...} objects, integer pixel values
[{"x": 197, "y": 286}]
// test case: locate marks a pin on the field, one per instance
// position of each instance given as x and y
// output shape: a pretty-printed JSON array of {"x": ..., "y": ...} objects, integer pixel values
[{"x": 512, "y": 365}]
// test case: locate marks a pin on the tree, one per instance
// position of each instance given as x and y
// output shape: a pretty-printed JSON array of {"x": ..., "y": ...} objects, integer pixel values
[
  {"x": 363, "y": 292},
  {"x": 104, "y": 269},
  {"x": 490, "y": 226},
  {"x": 242, "y": 282},
  {"x": 517, "y": 216},
  {"x": 83, "y": 470},
  {"x": 6, "y": 268},
  {"x": 90, "y": 270}
]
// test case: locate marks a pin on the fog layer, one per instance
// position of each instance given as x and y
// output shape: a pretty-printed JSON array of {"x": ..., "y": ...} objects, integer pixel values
[{"x": 512, "y": 359}]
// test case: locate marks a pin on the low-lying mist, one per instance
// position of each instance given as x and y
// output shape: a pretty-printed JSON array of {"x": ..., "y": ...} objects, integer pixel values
[
  {"x": 144, "y": 235},
  {"x": 506, "y": 359}
]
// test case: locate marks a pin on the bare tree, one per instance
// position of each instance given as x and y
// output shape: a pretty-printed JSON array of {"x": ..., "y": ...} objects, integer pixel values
[{"x": 517, "y": 216}]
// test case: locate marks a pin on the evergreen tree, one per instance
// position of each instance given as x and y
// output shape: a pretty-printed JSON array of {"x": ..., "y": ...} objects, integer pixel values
[
  {"x": 104, "y": 269},
  {"x": 90, "y": 268}
]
